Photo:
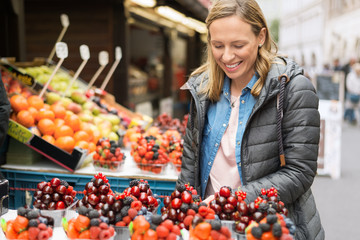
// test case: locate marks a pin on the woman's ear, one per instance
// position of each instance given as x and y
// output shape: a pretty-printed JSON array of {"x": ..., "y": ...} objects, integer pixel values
[{"x": 262, "y": 36}]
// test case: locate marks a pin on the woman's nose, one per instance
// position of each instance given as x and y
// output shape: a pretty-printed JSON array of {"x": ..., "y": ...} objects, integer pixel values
[{"x": 227, "y": 55}]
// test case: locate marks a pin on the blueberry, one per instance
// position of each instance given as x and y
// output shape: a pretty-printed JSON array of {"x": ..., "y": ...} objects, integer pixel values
[{"x": 104, "y": 219}]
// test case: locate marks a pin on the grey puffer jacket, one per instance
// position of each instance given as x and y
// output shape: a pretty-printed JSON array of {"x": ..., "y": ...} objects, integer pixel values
[{"x": 259, "y": 150}]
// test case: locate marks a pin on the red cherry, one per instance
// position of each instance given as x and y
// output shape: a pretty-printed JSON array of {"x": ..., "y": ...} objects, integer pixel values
[
  {"x": 68, "y": 200},
  {"x": 167, "y": 201},
  {"x": 186, "y": 197},
  {"x": 242, "y": 208},
  {"x": 232, "y": 200},
  {"x": 55, "y": 182},
  {"x": 110, "y": 199},
  {"x": 104, "y": 189},
  {"x": 143, "y": 197},
  {"x": 176, "y": 203},
  {"x": 135, "y": 190},
  {"x": 228, "y": 208},
  {"x": 48, "y": 190},
  {"x": 41, "y": 185},
  {"x": 61, "y": 189},
  {"x": 60, "y": 205},
  {"x": 93, "y": 199},
  {"x": 51, "y": 206},
  {"x": 225, "y": 192},
  {"x": 240, "y": 227}
]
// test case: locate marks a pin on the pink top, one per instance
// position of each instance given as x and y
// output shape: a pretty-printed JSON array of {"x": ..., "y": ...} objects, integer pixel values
[{"x": 224, "y": 171}]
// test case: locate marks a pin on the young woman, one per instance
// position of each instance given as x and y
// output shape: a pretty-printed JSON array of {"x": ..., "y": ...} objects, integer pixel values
[{"x": 232, "y": 138}]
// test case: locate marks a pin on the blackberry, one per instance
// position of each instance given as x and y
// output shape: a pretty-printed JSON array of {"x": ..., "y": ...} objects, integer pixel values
[
  {"x": 93, "y": 179},
  {"x": 118, "y": 217},
  {"x": 82, "y": 210},
  {"x": 124, "y": 211},
  {"x": 256, "y": 232},
  {"x": 271, "y": 210},
  {"x": 194, "y": 206},
  {"x": 128, "y": 200},
  {"x": 184, "y": 207},
  {"x": 265, "y": 227},
  {"x": 94, "y": 214},
  {"x": 156, "y": 146},
  {"x": 134, "y": 182},
  {"x": 113, "y": 143},
  {"x": 271, "y": 218},
  {"x": 65, "y": 183},
  {"x": 180, "y": 187},
  {"x": 203, "y": 204},
  {"x": 263, "y": 207},
  {"x": 215, "y": 225},
  {"x": 156, "y": 155},
  {"x": 196, "y": 198},
  {"x": 33, "y": 214},
  {"x": 112, "y": 150},
  {"x": 276, "y": 230},
  {"x": 95, "y": 222},
  {"x": 21, "y": 211},
  {"x": 33, "y": 223},
  {"x": 156, "y": 219}
]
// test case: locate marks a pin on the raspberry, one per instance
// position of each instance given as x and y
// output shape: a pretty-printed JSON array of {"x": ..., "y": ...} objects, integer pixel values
[
  {"x": 94, "y": 232},
  {"x": 175, "y": 229},
  {"x": 162, "y": 231},
  {"x": 111, "y": 230},
  {"x": 42, "y": 226},
  {"x": 210, "y": 216},
  {"x": 224, "y": 230},
  {"x": 104, "y": 234},
  {"x": 132, "y": 213},
  {"x": 168, "y": 224},
  {"x": 214, "y": 234},
  {"x": 120, "y": 224},
  {"x": 136, "y": 204},
  {"x": 126, "y": 220},
  {"x": 203, "y": 211},
  {"x": 33, "y": 232},
  {"x": 50, "y": 231},
  {"x": 191, "y": 212},
  {"x": 43, "y": 235},
  {"x": 103, "y": 225},
  {"x": 188, "y": 219},
  {"x": 172, "y": 236}
]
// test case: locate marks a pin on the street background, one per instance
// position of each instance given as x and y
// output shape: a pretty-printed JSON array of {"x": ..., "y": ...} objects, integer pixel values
[{"x": 338, "y": 200}]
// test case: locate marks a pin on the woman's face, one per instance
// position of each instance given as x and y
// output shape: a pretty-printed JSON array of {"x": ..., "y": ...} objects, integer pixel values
[{"x": 235, "y": 47}]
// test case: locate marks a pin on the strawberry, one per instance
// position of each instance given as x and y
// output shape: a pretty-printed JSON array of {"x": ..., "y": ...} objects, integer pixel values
[
  {"x": 33, "y": 233},
  {"x": 203, "y": 211},
  {"x": 126, "y": 220},
  {"x": 136, "y": 205},
  {"x": 162, "y": 231},
  {"x": 172, "y": 236},
  {"x": 149, "y": 155},
  {"x": 94, "y": 232},
  {"x": 191, "y": 212},
  {"x": 104, "y": 234}
]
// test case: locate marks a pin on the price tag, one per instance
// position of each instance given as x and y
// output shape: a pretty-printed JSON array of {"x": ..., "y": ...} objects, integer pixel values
[
  {"x": 20, "y": 133},
  {"x": 61, "y": 50},
  {"x": 118, "y": 54},
  {"x": 103, "y": 58},
  {"x": 64, "y": 20},
  {"x": 84, "y": 52}
]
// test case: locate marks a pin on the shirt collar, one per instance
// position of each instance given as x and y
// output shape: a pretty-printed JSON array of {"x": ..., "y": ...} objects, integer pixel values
[{"x": 226, "y": 87}]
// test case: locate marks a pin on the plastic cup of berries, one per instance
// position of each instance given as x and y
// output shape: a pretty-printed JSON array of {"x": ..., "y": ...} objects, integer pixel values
[
  {"x": 108, "y": 165},
  {"x": 122, "y": 232},
  {"x": 55, "y": 199}
]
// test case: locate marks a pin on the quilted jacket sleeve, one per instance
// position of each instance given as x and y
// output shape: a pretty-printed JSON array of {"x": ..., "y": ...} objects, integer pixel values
[
  {"x": 301, "y": 133},
  {"x": 187, "y": 174},
  {"x": 4, "y": 112}
]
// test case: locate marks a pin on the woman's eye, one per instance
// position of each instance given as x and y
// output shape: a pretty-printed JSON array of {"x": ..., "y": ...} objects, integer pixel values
[
  {"x": 238, "y": 46},
  {"x": 217, "y": 46}
]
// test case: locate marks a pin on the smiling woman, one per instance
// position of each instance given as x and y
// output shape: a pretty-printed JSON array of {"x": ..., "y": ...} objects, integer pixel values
[{"x": 236, "y": 136}]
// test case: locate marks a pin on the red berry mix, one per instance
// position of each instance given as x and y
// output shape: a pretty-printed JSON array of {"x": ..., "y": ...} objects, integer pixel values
[{"x": 108, "y": 155}]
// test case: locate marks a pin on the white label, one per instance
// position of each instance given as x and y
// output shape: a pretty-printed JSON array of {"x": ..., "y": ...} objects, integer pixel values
[
  {"x": 64, "y": 20},
  {"x": 103, "y": 58},
  {"x": 84, "y": 52},
  {"x": 61, "y": 50},
  {"x": 118, "y": 53}
]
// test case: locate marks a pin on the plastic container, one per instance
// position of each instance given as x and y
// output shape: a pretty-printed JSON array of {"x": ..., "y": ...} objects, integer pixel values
[
  {"x": 230, "y": 225},
  {"x": 122, "y": 233},
  {"x": 57, "y": 215},
  {"x": 108, "y": 166},
  {"x": 151, "y": 168}
]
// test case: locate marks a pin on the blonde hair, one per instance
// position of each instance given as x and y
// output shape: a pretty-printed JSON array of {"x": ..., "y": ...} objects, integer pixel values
[{"x": 250, "y": 12}]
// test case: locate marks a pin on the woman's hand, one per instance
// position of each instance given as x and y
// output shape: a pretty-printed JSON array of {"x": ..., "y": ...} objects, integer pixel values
[{"x": 209, "y": 199}]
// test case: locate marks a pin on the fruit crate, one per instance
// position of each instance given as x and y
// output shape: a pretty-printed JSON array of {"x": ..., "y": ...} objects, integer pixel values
[
  {"x": 22, "y": 181},
  {"x": 71, "y": 162}
]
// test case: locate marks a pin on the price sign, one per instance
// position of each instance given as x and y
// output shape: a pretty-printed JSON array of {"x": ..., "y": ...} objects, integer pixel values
[
  {"x": 103, "y": 58},
  {"x": 19, "y": 132},
  {"x": 64, "y": 20},
  {"x": 61, "y": 50},
  {"x": 84, "y": 52}
]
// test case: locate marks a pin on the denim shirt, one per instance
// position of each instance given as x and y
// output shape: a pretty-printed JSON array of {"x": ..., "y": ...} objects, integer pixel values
[{"x": 216, "y": 122}]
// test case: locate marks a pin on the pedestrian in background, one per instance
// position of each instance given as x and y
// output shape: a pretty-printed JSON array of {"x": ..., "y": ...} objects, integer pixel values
[
  {"x": 353, "y": 96},
  {"x": 231, "y": 137}
]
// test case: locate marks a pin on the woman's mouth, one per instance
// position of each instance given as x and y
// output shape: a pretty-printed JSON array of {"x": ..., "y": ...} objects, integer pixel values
[{"x": 232, "y": 67}]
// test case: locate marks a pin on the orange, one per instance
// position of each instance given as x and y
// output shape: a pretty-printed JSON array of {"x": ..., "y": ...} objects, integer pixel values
[
  {"x": 59, "y": 122},
  {"x": 58, "y": 110},
  {"x": 73, "y": 121},
  {"x": 82, "y": 144},
  {"x": 25, "y": 118},
  {"x": 81, "y": 136},
  {"x": 62, "y": 131},
  {"x": 86, "y": 127},
  {"x": 49, "y": 138},
  {"x": 96, "y": 136},
  {"x": 45, "y": 113},
  {"x": 46, "y": 106},
  {"x": 92, "y": 147},
  {"x": 66, "y": 143},
  {"x": 18, "y": 103},
  {"x": 36, "y": 102},
  {"x": 46, "y": 126},
  {"x": 33, "y": 111}
]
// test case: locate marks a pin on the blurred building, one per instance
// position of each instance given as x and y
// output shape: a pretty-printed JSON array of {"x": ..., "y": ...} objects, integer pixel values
[{"x": 316, "y": 32}]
